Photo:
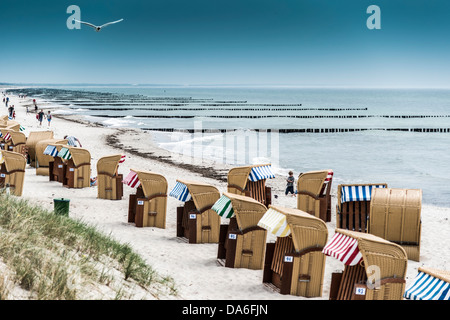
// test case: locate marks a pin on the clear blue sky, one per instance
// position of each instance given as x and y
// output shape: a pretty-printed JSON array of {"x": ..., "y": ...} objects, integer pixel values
[{"x": 211, "y": 42}]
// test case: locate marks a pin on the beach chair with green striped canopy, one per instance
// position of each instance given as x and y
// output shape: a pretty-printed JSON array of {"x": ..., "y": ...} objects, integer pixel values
[
  {"x": 294, "y": 263},
  {"x": 242, "y": 243},
  {"x": 196, "y": 221},
  {"x": 78, "y": 167}
]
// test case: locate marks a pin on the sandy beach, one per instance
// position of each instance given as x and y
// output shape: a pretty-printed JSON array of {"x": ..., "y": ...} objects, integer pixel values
[{"x": 193, "y": 267}]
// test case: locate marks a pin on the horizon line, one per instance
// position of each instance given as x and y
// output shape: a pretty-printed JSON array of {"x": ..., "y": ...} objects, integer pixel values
[{"x": 216, "y": 85}]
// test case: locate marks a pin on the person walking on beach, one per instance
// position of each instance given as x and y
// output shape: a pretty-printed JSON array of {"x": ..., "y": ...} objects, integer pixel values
[
  {"x": 41, "y": 116},
  {"x": 49, "y": 118},
  {"x": 290, "y": 184},
  {"x": 72, "y": 141}
]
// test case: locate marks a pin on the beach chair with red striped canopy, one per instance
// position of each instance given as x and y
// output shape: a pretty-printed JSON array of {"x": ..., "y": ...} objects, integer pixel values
[
  {"x": 374, "y": 268},
  {"x": 314, "y": 193},
  {"x": 147, "y": 207}
]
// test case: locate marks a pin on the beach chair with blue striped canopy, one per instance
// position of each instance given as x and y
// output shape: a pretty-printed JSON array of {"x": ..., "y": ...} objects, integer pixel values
[
  {"x": 242, "y": 243},
  {"x": 196, "y": 221},
  {"x": 294, "y": 263},
  {"x": 314, "y": 193},
  {"x": 374, "y": 268},
  {"x": 148, "y": 206},
  {"x": 353, "y": 205},
  {"x": 12, "y": 171},
  {"x": 46, "y": 156},
  {"x": 251, "y": 181},
  {"x": 78, "y": 167},
  {"x": 109, "y": 181},
  {"x": 429, "y": 284}
]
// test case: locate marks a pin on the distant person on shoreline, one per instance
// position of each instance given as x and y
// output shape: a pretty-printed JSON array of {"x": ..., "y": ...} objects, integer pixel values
[
  {"x": 72, "y": 141},
  {"x": 290, "y": 184},
  {"x": 49, "y": 118},
  {"x": 40, "y": 116}
]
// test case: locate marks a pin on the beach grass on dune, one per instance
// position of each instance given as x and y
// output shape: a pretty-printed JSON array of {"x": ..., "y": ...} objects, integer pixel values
[{"x": 55, "y": 257}]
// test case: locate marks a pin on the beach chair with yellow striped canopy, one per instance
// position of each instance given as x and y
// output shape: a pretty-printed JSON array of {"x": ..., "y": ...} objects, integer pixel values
[
  {"x": 395, "y": 215},
  {"x": 109, "y": 181},
  {"x": 374, "y": 268},
  {"x": 251, "y": 181},
  {"x": 12, "y": 171},
  {"x": 147, "y": 207},
  {"x": 33, "y": 138},
  {"x": 353, "y": 205},
  {"x": 429, "y": 284},
  {"x": 46, "y": 156},
  {"x": 314, "y": 193},
  {"x": 294, "y": 263},
  {"x": 196, "y": 221},
  {"x": 77, "y": 169},
  {"x": 242, "y": 244}
]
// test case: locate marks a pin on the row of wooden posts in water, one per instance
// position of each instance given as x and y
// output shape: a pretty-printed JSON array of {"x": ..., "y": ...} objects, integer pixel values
[{"x": 375, "y": 225}]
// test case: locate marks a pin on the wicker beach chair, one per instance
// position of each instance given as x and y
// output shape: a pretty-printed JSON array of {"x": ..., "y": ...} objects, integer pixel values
[
  {"x": 314, "y": 196},
  {"x": 45, "y": 158},
  {"x": 242, "y": 243},
  {"x": 33, "y": 138},
  {"x": 374, "y": 268},
  {"x": 395, "y": 215},
  {"x": 251, "y": 181},
  {"x": 77, "y": 169},
  {"x": 196, "y": 221},
  {"x": 12, "y": 171},
  {"x": 109, "y": 181},
  {"x": 148, "y": 206},
  {"x": 294, "y": 263},
  {"x": 353, "y": 205},
  {"x": 429, "y": 284},
  {"x": 16, "y": 141}
]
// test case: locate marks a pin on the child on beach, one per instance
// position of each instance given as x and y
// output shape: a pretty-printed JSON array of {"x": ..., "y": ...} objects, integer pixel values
[
  {"x": 49, "y": 118},
  {"x": 290, "y": 184}
]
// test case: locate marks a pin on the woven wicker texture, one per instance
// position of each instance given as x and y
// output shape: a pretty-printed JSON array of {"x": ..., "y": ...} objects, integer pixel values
[
  {"x": 107, "y": 169},
  {"x": 395, "y": 215},
  {"x": 33, "y": 138},
  {"x": 15, "y": 164}
]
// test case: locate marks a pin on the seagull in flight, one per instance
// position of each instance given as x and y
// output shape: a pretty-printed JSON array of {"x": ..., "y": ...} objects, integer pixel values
[{"x": 97, "y": 28}]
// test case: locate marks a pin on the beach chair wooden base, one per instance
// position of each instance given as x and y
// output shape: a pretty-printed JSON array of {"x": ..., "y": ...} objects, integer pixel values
[
  {"x": 294, "y": 273},
  {"x": 242, "y": 249},
  {"x": 197, "y": 226},
  {"x": 353, "y": 215},
  {"x": 343, "y": 284},
  {"x": 147, "y": 212},
  {"x": 76, "y": 176},
  {"x": 110, "y": 188},
  {"x": 56, "y": 170},
  {"x": 318, "y": 206}
]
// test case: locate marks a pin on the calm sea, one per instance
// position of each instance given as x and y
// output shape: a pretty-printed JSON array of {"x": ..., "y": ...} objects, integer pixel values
[{"x": 396, "y": 136}]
